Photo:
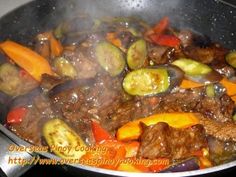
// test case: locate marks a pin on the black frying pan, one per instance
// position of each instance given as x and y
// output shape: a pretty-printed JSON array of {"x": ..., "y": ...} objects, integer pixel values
[{"x": 209, "y": 17}]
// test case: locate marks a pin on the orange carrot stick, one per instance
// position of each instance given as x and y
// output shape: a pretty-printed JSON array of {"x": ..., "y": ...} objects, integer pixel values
[
  {"x": 230, "y": 86},
  {"x": 132, "y": 130},
  {"x": 131, "y": 148},
  {"x": 186, "y": 84},
  {"x": 111, "y": 37},
  {"x": 29, "y": 60},
  {"x": 55, "y": 45}
]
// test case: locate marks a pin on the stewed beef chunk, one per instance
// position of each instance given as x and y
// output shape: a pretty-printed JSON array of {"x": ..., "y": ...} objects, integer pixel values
[
  {"x": 219, "y": 108},
  {"x": 224, "y": 131},
  {"x": 161, "y": 140}
]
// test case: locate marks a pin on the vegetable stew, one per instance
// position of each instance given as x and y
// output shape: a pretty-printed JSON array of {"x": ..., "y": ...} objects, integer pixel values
[{"x": 154, "y": 97}]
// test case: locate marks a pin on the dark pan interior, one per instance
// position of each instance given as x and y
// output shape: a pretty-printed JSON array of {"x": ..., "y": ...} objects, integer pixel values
[{"x": 204, "y": 16}]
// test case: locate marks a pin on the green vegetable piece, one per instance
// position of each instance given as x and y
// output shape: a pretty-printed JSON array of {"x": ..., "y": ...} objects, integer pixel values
[
  {"x": 137, "y": 54},
  {"x": 146, "y": 81},
  {"x": 134, "y": 32},
  {"x": 231, "y": 58},
  {"x": 110, "y": 58},
  {"x": 210, "y": 90},
  {"x": 59, "y": 135},
  {"x": 192, "y": 67},
  {"x": 58, "y": 32},
  {"x": 9, "y": 79},
  {"x": 64, "y": 67},
  {"x": 234, "y": 117}
]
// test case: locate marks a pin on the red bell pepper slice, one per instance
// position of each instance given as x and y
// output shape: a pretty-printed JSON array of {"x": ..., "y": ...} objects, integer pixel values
[
  {"x": 114, "y": 151},
  {"x": 161, "y": 26},
  {"x": 99, "y": 133},
  {"x": 165, "y": 40},
  {"x": 16, "y": 115}
]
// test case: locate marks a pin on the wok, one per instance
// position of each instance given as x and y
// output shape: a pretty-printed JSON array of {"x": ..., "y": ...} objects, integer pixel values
[{"x": 209, "y": 17}]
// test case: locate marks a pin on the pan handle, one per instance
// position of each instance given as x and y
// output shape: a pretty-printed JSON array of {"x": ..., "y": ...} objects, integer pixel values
[{"x": 9, "y": 160}]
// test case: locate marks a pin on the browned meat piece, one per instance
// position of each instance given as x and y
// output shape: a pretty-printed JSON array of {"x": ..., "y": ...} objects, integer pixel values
[
  {"x": 155, "y": 53},
  {"x": 161, "y": 140},
  {"x": 121, "y": 114},
  {"x": 105, "y": 91},
  {"x": 184, "y": 101},
  {"x": 80, "y": 104},
  {"x": 204, "y": 55},
  {"x": 221, "y": 151},
  {"x": 107, "y": 102},
  {"x": 85, "y": 67},
  {"x": 126, "y": 38},
  {"x": 218, "y": 108},
  {"x": 214, "y": 54},
  {"x": 146, "y": 106},
  {"x": 81, "y": 122},
  {"x": 219, "y": 63},
  {"x": 225, "y": 70},
  {"x": 71, "y": 104},
  {"x": 225, "y": 131},
  {"x": 219, "y": 53},
  {"x": 186, "y": 38},
  {"x": 163, "y": 55},
  {"x": 68, "y": 100},
  {"x": 30, "y": 129}
]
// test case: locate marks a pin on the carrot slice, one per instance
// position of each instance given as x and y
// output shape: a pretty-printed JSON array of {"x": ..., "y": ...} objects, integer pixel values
[
  {"x": 132, "y": 148},
  {"x": 133, "y": 130},
  {"x": 186, "y": 84},
  {"x": 29, "y": 60},
  {"x": 230, "y": 86},
  {"x": 55, "y": 46},
  {"x": 111, "y": 37}
]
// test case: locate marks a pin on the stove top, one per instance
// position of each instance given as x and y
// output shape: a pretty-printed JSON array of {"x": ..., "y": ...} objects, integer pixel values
[{"x": 57, "y": 171}]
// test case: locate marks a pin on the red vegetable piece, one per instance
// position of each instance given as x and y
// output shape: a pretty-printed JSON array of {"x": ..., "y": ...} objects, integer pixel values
[
  {"x": 99, "y": 133},
  {"x": 165, "y": 40},
  {"x": 161, "y": 26},
  {"x": 16, "y": 115}
]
